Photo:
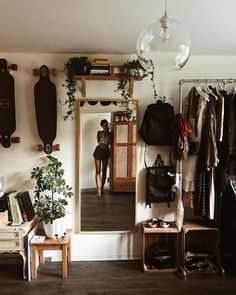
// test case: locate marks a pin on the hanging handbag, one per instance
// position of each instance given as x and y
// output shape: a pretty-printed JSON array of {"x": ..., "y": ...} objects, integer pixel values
[{"x": 159, "y": 181}]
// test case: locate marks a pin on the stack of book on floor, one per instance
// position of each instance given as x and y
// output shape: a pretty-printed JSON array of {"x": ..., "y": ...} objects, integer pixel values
[
  {"x": 20, "y": 207},
  {"x": 100, "y": 67}
]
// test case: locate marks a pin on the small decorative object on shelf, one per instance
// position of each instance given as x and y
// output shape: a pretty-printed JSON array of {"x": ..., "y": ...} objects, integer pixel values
[{"x": 62, "y": 238}]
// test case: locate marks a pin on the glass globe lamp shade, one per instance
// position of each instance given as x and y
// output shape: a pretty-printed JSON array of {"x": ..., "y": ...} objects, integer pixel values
[{"x": 164, "y": 43}]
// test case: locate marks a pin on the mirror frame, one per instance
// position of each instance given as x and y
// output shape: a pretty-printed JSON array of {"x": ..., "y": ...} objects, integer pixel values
[{"x": 78, "y": 157}]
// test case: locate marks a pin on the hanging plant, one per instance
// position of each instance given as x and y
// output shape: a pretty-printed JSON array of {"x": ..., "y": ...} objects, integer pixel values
[
  {"x": 133, "y": 69},
  {"x": 74, "y": 66}
]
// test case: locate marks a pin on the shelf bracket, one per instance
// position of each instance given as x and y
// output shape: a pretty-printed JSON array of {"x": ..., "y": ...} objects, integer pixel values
[{"x": 83, "y": 87}]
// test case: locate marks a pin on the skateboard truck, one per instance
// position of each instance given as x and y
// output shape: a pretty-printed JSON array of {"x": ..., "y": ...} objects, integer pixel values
[
  {"x": 53, "y": 72},
  {"x": 13, "y": 67},
  {"x": 55, "y": 147},
  {"x": 11, "y": 140}
]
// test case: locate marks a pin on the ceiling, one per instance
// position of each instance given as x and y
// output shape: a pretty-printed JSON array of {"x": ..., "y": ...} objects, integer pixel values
[{"x": 111, "y": 26}]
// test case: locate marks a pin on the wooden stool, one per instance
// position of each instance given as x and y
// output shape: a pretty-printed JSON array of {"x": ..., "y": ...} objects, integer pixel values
[{"x": 52, "y": 244}]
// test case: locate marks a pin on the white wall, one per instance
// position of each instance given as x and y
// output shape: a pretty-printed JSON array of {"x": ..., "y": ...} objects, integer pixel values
[{"x": 17, "y": 161}]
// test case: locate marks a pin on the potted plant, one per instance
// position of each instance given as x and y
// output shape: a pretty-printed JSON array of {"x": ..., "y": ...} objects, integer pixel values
[
  {"x": 51, "y": 193},
  {"x": 133, "y": 69},
  {"x": 74, "y": 66}
]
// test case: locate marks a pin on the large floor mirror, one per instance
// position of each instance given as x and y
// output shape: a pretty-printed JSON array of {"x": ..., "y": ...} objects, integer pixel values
[{"x": 107, "y": 164}]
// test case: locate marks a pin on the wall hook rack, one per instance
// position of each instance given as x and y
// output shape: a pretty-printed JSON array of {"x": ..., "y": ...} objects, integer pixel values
[
  {"x": 55, "y": 147},
  {"x": 15, "y": 139},
  {"x": 52, "y": 71}
]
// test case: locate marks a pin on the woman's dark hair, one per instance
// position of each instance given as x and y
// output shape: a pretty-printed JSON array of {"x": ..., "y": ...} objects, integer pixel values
[{"x": 103, "y": 122}]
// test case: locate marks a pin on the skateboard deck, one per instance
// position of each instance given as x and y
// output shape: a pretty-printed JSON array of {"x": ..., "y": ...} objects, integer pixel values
[
  {"x": 7, "y": 104},
  {"x": 46, "y": 108}
]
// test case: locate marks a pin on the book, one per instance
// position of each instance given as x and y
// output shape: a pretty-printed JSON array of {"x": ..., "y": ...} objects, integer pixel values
[
  {"x": 22, "y": 209},
  {"x": 37, "y": 239},
  {"x": 101, "y": 61},
  {"x": 19, "y": 219},
  {"x": 100, "y": 70},
  {"x": 27, "y": 203},
  {"x": 114, "y": 70},
  {"x": 9, "y": 209},
  {"x": 13, "y": 208}
]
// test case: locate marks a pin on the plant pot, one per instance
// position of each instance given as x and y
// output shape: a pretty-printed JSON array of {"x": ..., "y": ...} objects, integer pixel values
[
  {"x": 83, "y": 69},
  {"x": 53, "y": 229}
]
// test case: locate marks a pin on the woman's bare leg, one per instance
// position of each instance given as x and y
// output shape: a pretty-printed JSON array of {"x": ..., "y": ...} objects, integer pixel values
[
  {"x": 104, "y": 173},
  {"x": 98, "y": 176}
]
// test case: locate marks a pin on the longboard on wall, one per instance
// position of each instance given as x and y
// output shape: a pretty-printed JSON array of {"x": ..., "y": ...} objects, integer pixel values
[
  {"x": 7, "y": 103},
  {"x": 46, "y": 108}
]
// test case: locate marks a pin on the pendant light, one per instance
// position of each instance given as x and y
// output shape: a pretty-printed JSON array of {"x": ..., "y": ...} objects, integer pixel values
[{"x": 164, "y": 42}]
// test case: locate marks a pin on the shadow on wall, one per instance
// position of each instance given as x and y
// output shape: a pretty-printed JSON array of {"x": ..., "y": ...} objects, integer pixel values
[{"x": 20, "y": 181}]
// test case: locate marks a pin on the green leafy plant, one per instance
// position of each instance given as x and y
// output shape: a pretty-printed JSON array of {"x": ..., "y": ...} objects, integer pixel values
[
  {"x": 74, "y": 66},
  {"x": 50, "y": 181},
  {"x": 133, "y": 69}
]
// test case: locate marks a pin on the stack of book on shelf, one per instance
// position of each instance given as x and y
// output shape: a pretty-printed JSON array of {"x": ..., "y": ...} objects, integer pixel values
[
  {"x": 20, "y": 207},
  {"x": 100, "y": 67}
]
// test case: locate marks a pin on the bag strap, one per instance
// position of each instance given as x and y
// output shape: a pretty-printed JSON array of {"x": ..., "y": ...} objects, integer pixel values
[
  {"x": 171, "y": 163},
  {"x": 158, "y": 160},
  {"x": 145, "y": 150}
]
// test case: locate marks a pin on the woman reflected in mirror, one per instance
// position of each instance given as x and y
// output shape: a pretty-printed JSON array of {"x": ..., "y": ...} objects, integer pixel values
[{"x": 101, "y": 156}]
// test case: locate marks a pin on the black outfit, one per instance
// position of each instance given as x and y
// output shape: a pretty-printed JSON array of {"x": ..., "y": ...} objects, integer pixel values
[{"x": 102, "y": 154}]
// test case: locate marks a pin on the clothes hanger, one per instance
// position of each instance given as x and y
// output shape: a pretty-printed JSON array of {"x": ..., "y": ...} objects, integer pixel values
[
  {"x": 233, "y": 185},
  {"x": 203, "y": 94},
  {"x": 234, "y": 88},
  {"x": 209, "y": 91}
]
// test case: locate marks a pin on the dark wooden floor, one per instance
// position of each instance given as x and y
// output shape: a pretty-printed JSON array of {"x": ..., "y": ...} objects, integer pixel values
[
  {"x": 112, "y": 212},
  {"x": 111, "y": 277}
]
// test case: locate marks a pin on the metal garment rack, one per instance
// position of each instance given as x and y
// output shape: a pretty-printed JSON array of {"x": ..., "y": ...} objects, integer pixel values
[
  {"x": 196, "y": 81},
  {"x": 225, "y": 82}
]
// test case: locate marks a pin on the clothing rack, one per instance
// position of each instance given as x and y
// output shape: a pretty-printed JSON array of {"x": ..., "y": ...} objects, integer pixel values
[
  {"x": 225, "y": 82},
  {"x": 186, "y": 81}
]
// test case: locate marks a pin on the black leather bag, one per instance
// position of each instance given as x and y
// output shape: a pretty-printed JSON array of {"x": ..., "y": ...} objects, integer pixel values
[{"x": 159, "y": 181}]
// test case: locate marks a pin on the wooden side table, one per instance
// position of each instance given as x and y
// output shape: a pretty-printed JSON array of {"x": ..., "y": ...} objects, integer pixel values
[{"x": 52, "y": 244}]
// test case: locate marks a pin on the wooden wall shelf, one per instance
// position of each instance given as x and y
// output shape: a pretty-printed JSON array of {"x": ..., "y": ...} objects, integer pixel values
[{"x": 83, "y": 80}]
